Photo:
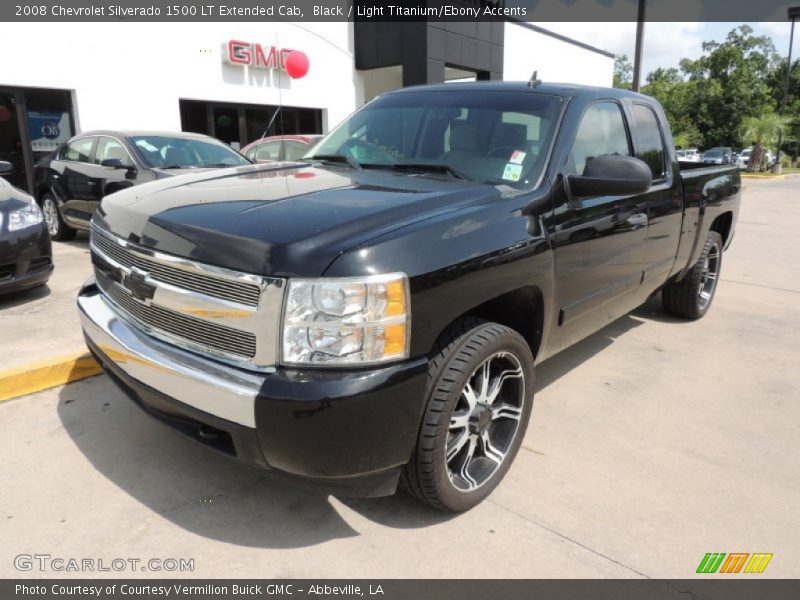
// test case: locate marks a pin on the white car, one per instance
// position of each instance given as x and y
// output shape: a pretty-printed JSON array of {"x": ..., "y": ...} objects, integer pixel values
[
  {"x": 744, "y": 158},
  {"x": 688, "y": 155}
]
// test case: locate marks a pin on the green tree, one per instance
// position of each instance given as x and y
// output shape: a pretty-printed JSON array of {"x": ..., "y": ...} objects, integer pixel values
[
  {"x": 623, "y": 72},
  {"x": 729, "y": 83},
  {"x": 709, "y": 97},
  {"x": 775, "y": 80},
  {"x": 762, "y": 130},
  {"x": 689, "y": 137}
]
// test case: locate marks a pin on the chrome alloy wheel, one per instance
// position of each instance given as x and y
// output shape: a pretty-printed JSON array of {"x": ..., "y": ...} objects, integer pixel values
[
  {"x": 709, "y": 276},
  {"x": 50, "y": 211},
  {"x": 484, "y": 422}
]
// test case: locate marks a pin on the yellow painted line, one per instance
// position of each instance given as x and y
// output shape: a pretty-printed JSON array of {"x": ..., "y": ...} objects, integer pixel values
[
  {"x": 753, "y": 176},
  {"x": 46, "y": 374}
]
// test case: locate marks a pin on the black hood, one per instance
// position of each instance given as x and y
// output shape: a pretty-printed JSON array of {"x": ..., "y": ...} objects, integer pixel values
[
  {"x": 12, "y": 198},
  {"x": 281, "y": 220}
]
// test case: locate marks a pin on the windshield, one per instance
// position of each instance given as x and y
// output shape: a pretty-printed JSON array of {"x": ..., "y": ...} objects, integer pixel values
[
  {"x": 485, "y": 136},
  {"x": 162, "y": 152},
  {"x": 713, "y": 153}
]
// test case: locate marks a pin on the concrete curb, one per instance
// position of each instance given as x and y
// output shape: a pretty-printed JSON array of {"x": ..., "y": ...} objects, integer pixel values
[
  {"x": 46, "y": 374},
  {"x": 770, "y": 177}
]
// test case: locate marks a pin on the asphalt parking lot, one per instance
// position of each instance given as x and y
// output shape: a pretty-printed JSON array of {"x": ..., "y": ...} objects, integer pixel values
[{"x": 653, "y": 442}]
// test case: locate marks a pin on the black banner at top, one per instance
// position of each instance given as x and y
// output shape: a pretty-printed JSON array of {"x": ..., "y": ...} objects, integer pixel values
[{"x": 396, "y": 11}]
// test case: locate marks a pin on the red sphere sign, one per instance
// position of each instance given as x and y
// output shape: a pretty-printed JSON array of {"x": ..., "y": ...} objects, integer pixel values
[
  {"x": 296, "y": 64},
  {"x": 258, "y": 56}
]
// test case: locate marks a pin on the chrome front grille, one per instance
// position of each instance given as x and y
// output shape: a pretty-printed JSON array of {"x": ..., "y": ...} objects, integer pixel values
[
  {"x": 190, "y": 329},
  {"x": 231, "y": 316},
  {"x": 243, "y": 293}
]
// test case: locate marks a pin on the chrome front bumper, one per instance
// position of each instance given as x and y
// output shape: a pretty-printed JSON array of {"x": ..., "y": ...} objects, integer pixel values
[{"x": 222, "y": 391}]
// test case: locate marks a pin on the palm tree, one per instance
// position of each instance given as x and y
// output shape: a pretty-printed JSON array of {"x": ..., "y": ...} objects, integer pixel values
[{"x": 761, "y": 131}]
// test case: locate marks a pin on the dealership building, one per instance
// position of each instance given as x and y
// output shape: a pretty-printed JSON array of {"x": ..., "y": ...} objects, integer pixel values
[{"x": 231, "y": 80}]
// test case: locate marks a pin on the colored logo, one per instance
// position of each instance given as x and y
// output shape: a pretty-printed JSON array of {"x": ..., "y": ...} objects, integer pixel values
[
  {"x": 50, "y": 130},
  {"x": 736, "y": 562}
]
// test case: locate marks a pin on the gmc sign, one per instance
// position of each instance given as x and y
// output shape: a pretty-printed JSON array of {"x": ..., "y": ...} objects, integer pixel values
[{"x": 255, "y": 55}]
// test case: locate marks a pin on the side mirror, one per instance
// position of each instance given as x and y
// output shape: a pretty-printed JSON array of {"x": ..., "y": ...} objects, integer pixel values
[
  {"x": 6, "y": 168},
  {"x": 115, "y": 163},
  {"x": 611, "y": 175}
]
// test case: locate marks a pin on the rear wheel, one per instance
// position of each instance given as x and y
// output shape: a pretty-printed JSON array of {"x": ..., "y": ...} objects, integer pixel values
[
  {"x": 691, "y": 297},
  {"x": 479, "y": 399},
  {"x": 56, "y": 226}
]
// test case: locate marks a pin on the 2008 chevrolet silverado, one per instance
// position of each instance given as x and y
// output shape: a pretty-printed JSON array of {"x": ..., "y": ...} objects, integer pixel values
[{"x": 372, "y": 314}]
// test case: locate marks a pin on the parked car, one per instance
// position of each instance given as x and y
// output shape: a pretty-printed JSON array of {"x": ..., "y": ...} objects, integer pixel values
[
  {"x": 26, "y": 258},
  {"x": 688, "y": 155},
  {"x": 280, "y": 147},
  {"x": 377, "y": 313},
  {"x": 744, "y": 158},
  {"x": 718, "y": 156},
  {"x": 70, "y": 182}
]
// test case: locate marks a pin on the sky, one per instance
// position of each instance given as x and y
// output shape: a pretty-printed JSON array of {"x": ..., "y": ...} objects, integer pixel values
[{"x": 666, "y": 43}]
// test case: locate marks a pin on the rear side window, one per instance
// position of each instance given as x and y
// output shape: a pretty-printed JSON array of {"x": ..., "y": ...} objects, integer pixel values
[
  {"x": 601, "y": 132},
  {"x": 78, "y": 150},
  {"x": 650, "y": 144},
  {"x": 268, "y": 150},
  {"x": 295, "y": 149}
]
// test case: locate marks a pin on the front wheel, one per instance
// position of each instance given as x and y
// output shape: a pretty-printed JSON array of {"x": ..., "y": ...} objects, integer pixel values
[
  {"x": 56, "y": 227},
  {"x": 691, "y": 297},
  {"x": 479, "y": 400}
]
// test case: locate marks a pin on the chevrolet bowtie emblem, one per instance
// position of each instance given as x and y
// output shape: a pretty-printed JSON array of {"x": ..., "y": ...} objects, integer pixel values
[{"x": 135, "y": 282}]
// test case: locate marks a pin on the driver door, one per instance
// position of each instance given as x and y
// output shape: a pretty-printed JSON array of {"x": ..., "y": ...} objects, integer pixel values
[
  {"x": 110, "y": 178},
  {"x": 599, "y": 241},
  {"x": 77, "y": 181}
]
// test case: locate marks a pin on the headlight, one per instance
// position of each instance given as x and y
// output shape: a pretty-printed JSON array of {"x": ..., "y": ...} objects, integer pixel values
[
  {"x": 24, "y": 217},
  {"x": 359, "y": 320}
]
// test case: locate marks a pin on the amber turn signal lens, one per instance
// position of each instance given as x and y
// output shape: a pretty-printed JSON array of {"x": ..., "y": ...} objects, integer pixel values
[{"x": 396, "y": 299}]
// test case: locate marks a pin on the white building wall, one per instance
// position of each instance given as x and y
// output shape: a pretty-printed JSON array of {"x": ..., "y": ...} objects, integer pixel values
[
  {"x": 131, "y": 76},
  {"x": 558, "y": 61}
]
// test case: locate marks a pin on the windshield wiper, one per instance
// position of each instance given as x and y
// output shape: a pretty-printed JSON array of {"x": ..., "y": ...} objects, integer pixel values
[
  {"x": 423, "y": 166},
  {"x": 177, "y": 167},
  {"x": 338, "y": 158}
]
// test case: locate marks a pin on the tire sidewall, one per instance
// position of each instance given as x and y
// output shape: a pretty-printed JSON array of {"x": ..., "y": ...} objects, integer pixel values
[
  {"x": 714, "y": 239},
  {"x": 452, "y": 498}
]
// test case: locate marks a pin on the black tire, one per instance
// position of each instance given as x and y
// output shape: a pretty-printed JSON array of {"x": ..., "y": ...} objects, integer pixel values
[
  {"x": 56, "y": 227},
  {"x": 464, "y": 348},
  {"x": 691, "y": 297}
]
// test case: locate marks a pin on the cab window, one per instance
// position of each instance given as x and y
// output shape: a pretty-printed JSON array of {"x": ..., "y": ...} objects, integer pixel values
[
  {"x": 78, "y": 150},
  {"x": 601, "y": 132},
  {"x": 268, "y": 150},
  {"x": 650, "y": 145},
  {"x": 110, "y": 149},
  {"x": 295, "y": 149}
]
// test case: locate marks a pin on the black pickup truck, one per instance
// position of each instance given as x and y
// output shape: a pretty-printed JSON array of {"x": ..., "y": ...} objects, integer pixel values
[{"x": 372, "y": 314}]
